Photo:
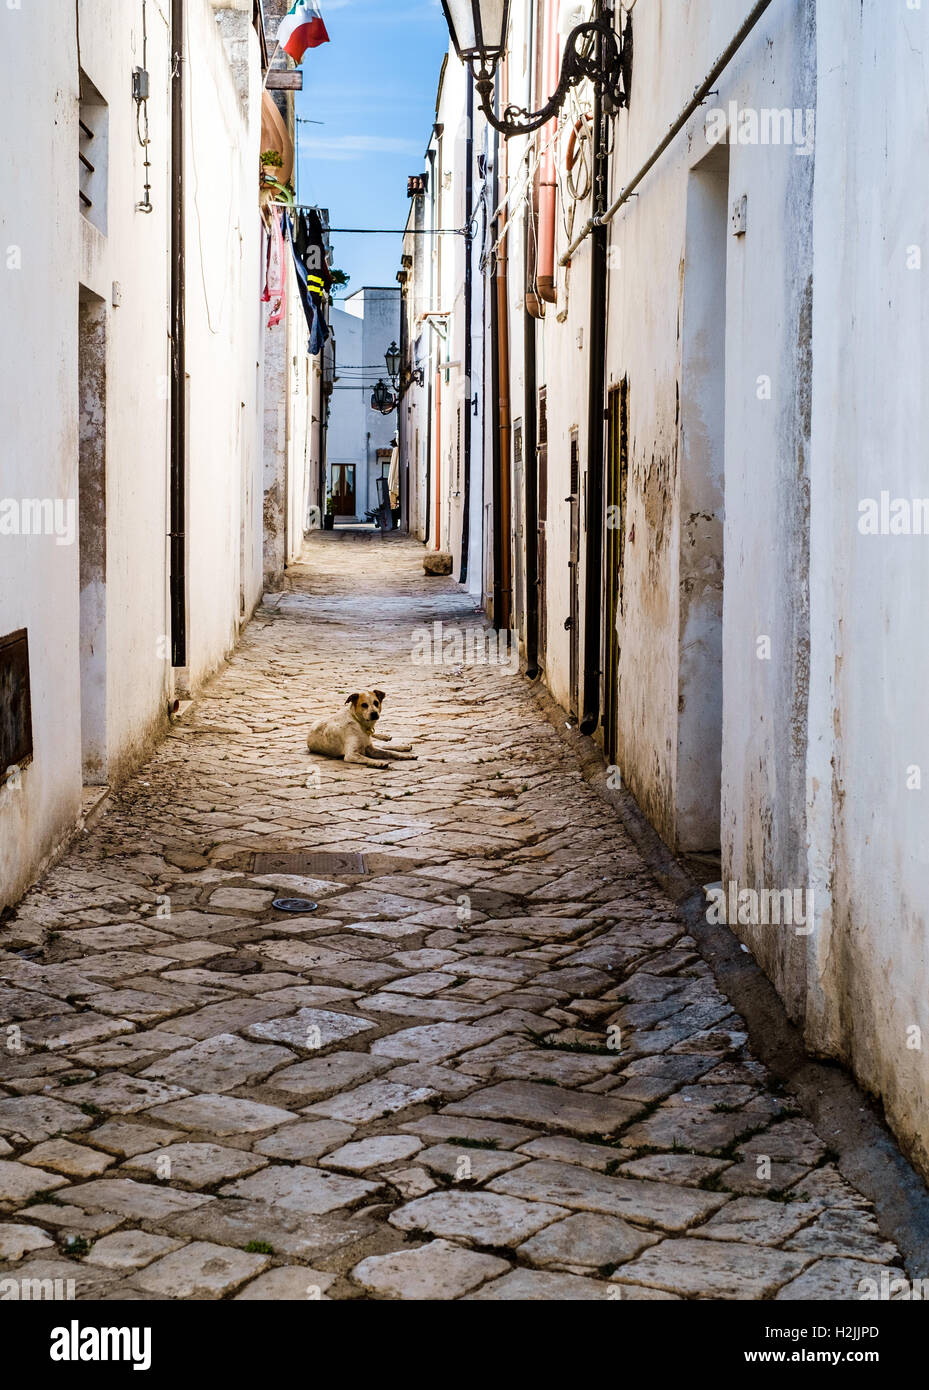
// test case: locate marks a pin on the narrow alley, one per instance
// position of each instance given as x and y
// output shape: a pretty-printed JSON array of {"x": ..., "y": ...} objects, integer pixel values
[{"x": 490, "y": 1065}]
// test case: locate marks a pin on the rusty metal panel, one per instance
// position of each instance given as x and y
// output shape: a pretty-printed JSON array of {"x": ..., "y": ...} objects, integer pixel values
[{"x": 15, "y": 703}]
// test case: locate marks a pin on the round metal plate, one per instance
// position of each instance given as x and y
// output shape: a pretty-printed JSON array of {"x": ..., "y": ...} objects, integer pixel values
[{"x": 294, "y": 905}]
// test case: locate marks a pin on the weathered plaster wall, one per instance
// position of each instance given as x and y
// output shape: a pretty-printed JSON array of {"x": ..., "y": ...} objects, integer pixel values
[
  {"x": 39, "y": 438},
  {"x": 120, "y": 267},
  {"x": 868, "y": 999},
  {"x": 223, "y": 348}
]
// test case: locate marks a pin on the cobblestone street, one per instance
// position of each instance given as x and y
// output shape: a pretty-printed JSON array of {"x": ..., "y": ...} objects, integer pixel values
[{"x": 491, "y": 1065}]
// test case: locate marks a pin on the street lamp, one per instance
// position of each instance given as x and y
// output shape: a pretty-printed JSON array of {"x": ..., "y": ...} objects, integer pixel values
[
  {"x": 392, "y": 358},
  {"x": 593, "y": 52},
  {"x": 382, "y": 398}
]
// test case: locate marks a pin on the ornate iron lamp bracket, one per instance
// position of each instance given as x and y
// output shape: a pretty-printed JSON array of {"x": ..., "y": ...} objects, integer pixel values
[{"x": 604, "y": 63}]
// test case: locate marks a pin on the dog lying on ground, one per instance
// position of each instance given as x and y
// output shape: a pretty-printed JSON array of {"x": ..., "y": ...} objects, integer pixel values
[{"x": 349, "y": 733}]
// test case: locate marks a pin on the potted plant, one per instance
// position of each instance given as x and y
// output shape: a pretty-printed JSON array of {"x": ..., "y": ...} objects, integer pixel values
[
  {"x": 272, "y": 162},
  {"x": 329, "y": 518}
]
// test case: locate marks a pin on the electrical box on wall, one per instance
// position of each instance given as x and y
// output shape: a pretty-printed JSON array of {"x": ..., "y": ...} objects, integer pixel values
[
  {"x": 740, "y": 216},
  {"x": 15, "y": 705}
]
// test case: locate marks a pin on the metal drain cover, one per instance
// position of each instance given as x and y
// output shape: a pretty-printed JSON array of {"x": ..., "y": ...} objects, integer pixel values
[
  {"x": 313, "y": 863},
  {"x": 294, "y": 905},
  {"x": 232, "y": 965}
]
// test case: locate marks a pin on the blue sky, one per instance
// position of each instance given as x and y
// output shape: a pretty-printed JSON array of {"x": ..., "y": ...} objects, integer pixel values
[{"x": 374, "y": 87}]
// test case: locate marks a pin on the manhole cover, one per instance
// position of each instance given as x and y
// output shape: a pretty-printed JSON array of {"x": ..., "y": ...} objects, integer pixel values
[
  {"x": 231, "y": 965},
  {"x": 294, "y": 905},
  {"x": 313, "y": 863}
]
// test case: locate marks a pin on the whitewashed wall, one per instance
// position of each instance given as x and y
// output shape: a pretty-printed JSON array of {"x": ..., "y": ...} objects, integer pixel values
[
  {"x": 51, "y": 257},
  {"x": 868, "y": 965},
  {"x": 224, "y": 346}
]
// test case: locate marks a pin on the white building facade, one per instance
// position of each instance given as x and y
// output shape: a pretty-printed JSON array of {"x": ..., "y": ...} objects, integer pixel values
[
  {"x": 359, "y": 437},
  {"x": 700, "y": 457},
  {"x": 131, "y": 389}
]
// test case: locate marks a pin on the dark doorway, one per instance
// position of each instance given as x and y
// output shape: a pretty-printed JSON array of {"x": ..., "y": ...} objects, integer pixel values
[
  {"x": 343, "y": 489},
  {"x": 519, "y": 506},
  {"x": 617, "y": 473},
  {"x": 542, "y": 454},
  {"x": 573, "y": 624}
]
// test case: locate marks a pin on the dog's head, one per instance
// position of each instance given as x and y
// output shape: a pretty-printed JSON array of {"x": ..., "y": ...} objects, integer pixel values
[{"x": 366, "y": 706}]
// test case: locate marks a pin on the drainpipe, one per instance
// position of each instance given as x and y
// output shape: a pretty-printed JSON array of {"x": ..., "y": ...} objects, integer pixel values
[
  {"x": 590, "y": 712},
  {"x": 531, "y": 480},
  {"x": 534, "y": 66},
  {"x": 178, "y": 504},
  {"x": 500, "y": 339},
  {"x": 321, "y": 462},
  {"x": 427, "y": 502},
  {"x": 402, "y": 431},
  {"x": 500, "y": 534},
  {"x": 468, "y": 351},
  {"x": 438, "y": 459},
  {"x": 545, "y": 278}
]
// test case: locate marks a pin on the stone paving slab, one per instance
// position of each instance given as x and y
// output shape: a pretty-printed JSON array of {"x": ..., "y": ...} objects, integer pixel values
[
  {"x": 200, "y": 1271},
  {"x": 439, "y": 1270},
  {"x": 552, "y": 1107},
  {"x": 413, "y": 1093},
  {"x": 481, "y": 1218},
  {"x": 713, "y": 1269},
  {"x": 653, "y": 1204}
]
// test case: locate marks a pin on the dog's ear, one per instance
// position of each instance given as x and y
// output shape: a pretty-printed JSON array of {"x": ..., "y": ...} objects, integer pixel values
[
  {"x": 352, "y": 698},
  {"x": 380, "y": 695}
]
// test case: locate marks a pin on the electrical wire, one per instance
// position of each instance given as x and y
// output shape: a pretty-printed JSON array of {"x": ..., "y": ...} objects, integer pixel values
[{"x": 141, "y": 117}]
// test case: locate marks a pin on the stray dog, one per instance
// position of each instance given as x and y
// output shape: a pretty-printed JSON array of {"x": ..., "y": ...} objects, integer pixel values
[{"x": 348, "y": 734}]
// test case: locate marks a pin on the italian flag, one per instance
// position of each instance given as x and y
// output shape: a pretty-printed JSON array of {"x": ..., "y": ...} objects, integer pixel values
[{"x": 301, "y": 29}]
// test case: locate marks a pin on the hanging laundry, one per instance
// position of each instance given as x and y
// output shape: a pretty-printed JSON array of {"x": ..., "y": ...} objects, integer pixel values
[
  {"x": 310, "y": 247},
  {"x": 305, "y": 232},
  {"x": 275, "y": 292}
]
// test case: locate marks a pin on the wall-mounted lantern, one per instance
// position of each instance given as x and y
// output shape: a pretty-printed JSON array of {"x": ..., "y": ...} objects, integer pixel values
[
  {"x": 382, "y": 398},
  {"x": 392, "y": 358},
  {"x": 593, "y": 52}
]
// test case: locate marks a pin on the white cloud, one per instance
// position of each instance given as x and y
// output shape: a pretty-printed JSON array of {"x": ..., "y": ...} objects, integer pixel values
[{"x": 355, "y": 146}]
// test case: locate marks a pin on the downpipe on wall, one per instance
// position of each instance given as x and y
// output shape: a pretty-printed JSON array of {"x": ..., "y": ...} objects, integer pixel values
[
  {"x": 500, "y": 386},
  {"x": 468, "y": 346},
  {"x": 178, "y": 481},
  {"x": 531, "y": 477},
  {"x": 593, "y": 588}
]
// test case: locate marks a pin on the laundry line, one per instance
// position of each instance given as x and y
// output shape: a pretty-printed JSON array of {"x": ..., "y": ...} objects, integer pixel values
[{"x": 376, "y": 231}]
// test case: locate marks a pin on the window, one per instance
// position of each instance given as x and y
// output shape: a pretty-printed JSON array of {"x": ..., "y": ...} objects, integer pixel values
[
  {"x": 15, "y": 705},
  {"x": 93, "y": 131}
]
